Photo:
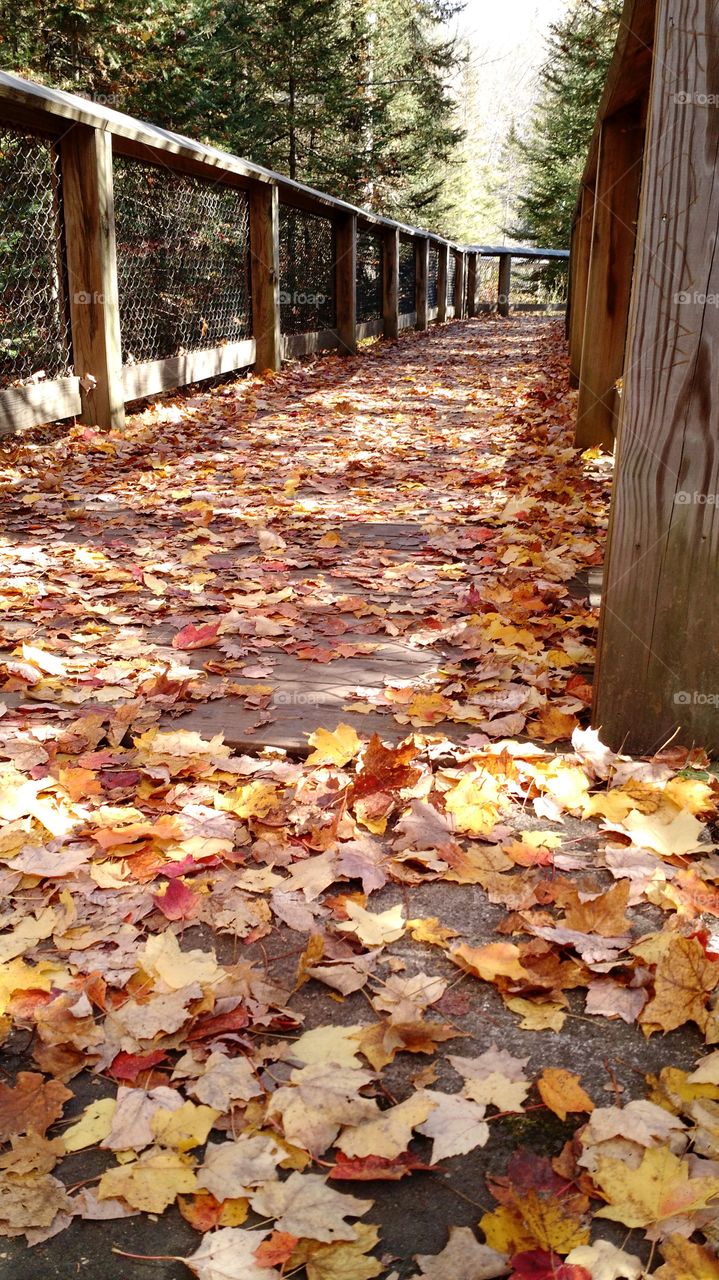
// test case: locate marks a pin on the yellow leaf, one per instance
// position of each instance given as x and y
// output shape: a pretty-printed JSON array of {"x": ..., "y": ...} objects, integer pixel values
[
  {"x": 492, "y": 961},
  {"x": 94, "y": 1124},
  {"x": 548, "y": 1016},
  {"x": 336, "y": 747},
  {"x": 505, "y": 1231},
  {"x": 184, "y": 1128},
  {"x": 686, "y": 1261},
  {"x": 373, "y": 929},
  {"x": 562, "y": 1092},
  {"x": 550, "y": 1225},
  {"x": 252, "y": 800},
  {"x": 390, "y": 1133},
  {"x": 346, "y": 1260},
  {"x": 161, "y": 957},
  {"x": 659, "y": 1188},
  {"x": 151, "y": 1183},
  {"x": 682, "y": 982},
  {"x": 474, "y": 804}
]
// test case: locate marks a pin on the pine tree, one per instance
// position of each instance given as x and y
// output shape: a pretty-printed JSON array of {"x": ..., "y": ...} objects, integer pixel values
[{"x": 553, "y": 153}]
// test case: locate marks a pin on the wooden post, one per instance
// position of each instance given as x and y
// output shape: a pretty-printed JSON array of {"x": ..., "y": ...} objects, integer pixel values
[
  {"x": 459, "y": 284},
  {"x": 658, "y": 660},
  {"x": 609, "y": 283},
  {"x": 581, "y": 246},
  {"x": 504, "y": 283},
  {"x": 421, "y": 277},
  {"x": 471, "y": 284},
  {"x": 442, "y": 273},
  {"x": 265, "y": 274},
  {"x": 86, "y": 157},
  {"x": 390, "y": 281},
  {"x": 346, "y": 281}
]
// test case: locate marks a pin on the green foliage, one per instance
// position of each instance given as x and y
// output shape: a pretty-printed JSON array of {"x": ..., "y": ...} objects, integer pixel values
[
  {"x": 553, "y": 153},
  {"x": 348, "y": 95}
]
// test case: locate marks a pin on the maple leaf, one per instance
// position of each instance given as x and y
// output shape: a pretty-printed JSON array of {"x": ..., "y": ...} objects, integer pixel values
[
  {"x": 604, "y": 1261},
  {"x": 683, "y": 979},
  {"x": 456, "y": 1124},
  {"x": 537, "y": 1264},
  {"x": 375, "y": 1168},
  {"x": 562, "y": 1092},
  {"x": 306, "y": 1207},
  {"x": 659, "y": 1188},
  {"x": 231, "y": 1169},
  {"x": 337, "y": 746},
  {"x": 150, "y": 1183},
  {"x": 685, "y": 1261},
  {"x": 463, "y": 1256},
  {"x": 33, "y": 1104},
  {"x": 30, "y": 1202},
  {"x": 229, "y": 1254},
  {"x": 384, "y": 769},
  {"x": 321, "y": 1098},
  {"x": 374, "y": 929},
  {"x": 193, "y": 637}
]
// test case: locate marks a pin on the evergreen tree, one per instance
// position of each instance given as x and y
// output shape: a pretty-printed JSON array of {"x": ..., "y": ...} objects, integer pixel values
[{"x": 553, "y": 153}]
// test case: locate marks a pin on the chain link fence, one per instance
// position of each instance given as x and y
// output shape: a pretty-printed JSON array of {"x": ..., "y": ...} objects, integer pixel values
[
  {"x": 34, "y": 315},
  {"x": 369, "y": 276},
  {"x": 183, "y": 260},
  {"x": 451, "y": 279},
  {"x": 433, "y": 278},
  {"x": 487, "y": 283},
  {"x": 537, "y": 285},
  {"x": 407, "y": 299},
  {"x": 307, "y": 271}
]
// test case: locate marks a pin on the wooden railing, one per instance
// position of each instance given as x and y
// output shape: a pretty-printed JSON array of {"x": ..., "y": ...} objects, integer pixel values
[{"x": 134, "y": 260}]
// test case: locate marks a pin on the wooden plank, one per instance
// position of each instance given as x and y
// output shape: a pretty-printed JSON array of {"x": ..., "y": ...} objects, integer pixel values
[
  {"x": 407, "y": 320},
  {"x": 154, "y": 376},
  {"x": 86, "y": 159},
  {"x": 581, "y": 247},
  {"x": 658, "y": 663},
  {"x": 294, "y": 345},
  {"x": 370, "y": 329},
  {"x": 390, "y": 282},
  {"x": 610, "y": 276},
  {"x": 504, "y": 284},
  {"x": 421, "y": 278},
  {"x": 346, "y": 282},
  {"x": 442, "y": 275},
  {"x": 265, "y": 275},
  {"x": 629, "y": 71},
  {"x": 30, "y": 406},
  {"x": 471, "y": 284},
  {"x": 459, "y": 285}
]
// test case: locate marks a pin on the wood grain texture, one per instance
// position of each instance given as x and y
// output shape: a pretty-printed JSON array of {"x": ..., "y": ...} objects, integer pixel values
[
  {"x": 265, "y": 274},
  {"x": 293, "y": 345},
  {"x": 442, "y": 273},
  {"x": 459, "y": 286},
  {"x": 471, "y": 284},
  {"x": 658, "y": 668},
  {"x": 611, "y": 264},
  {"x": 346, "y": 282},
  {"x": 504, "y": 283},
  {"x": 421, "y": 278},
  {"x": 154, "y": 376},
  {"x": 390, "y": 282},
  {"x": 23, "y": 407},
  {"x": 86, "y": 158},
  {"x": 579, "y": 263}
]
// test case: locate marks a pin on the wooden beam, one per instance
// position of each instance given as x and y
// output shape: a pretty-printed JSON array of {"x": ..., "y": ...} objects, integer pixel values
[
  {"x": 471, "y": 284},
  {"x": 609, "y": 281},
  {"x": 421, "y": 279},
  {"x": 294, "y": 345},
  {"x": 442, "y": 273},
  {"x": 504, "y": 283},
  {"x": 86, "y": 159},
  {"x": 390, "y": 281},
  {"x": 579, "y": 265},
  {"x": 154, "y": 376},
  {"x": 23, "y": 407},
  {"x": 629, "y": 71},
  {"x": 459, "y": 286},
  {"x": 658, "y": 661},
  {"x": 346, "y": 282},
  {"x": 265, "y": 275}
]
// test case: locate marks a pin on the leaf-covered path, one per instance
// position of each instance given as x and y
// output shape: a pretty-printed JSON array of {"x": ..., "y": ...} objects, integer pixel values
[{"x": 435, "y": 956}]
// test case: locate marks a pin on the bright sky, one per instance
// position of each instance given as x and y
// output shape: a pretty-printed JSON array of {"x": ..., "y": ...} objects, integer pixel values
[{"x": 507, "y": 39}]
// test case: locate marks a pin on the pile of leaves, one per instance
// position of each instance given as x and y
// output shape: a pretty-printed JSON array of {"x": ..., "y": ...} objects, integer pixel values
[{"x": 144, "y": 865}]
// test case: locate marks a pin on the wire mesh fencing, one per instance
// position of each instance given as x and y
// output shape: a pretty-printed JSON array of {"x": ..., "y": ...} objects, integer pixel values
[
  {"x": 307, "y": 272},
  {"x": 538, "y": 285},
  {"x": 407, "y": 296},
  {"x": 35, "y": 339},
  {"x": 433, "y": 278},
  {"x": 369, "y": 277},
  {"x": 487, "y": 283},
  {"x": 451, "y": 280},
  {"x": 183, "y": 261}
]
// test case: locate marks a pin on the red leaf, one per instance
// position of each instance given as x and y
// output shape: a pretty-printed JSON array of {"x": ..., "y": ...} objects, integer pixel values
[
  {"x": 220, "y": 1024},
  {"x": 276, "y": 1249},
  {"x": 128, "y": 1066},
  {"x": 538, "y": 1265},
  {"x": 375, "y": 1168},
  {"x": 177, "y": 902},
  {"x": 192, "y": 637}
]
